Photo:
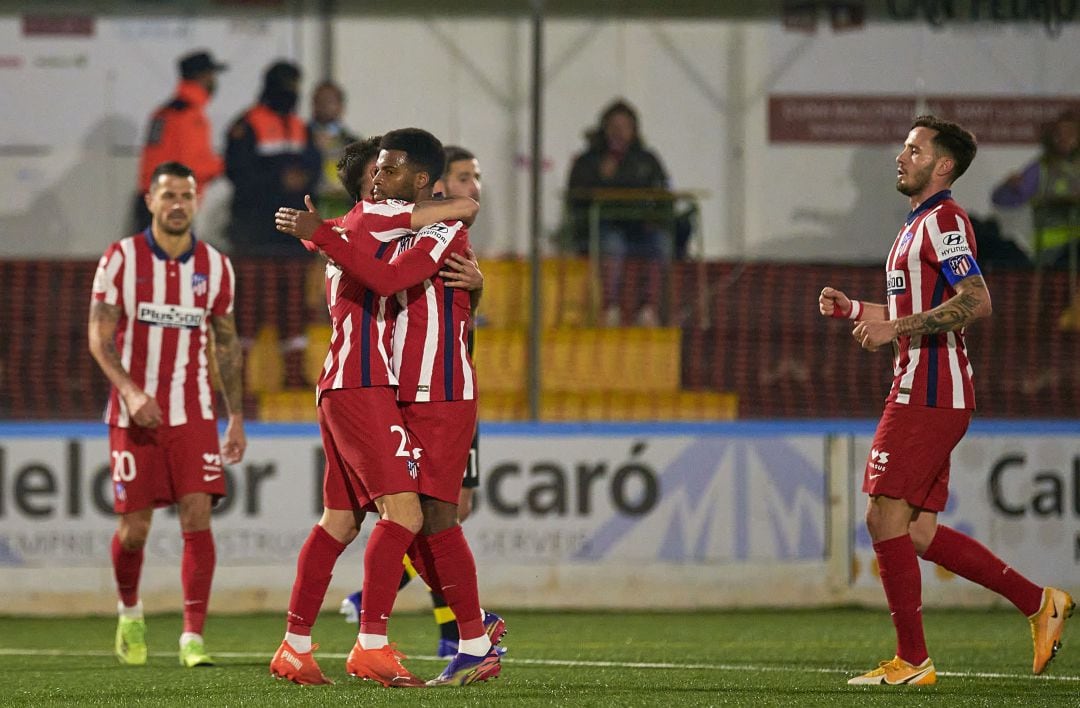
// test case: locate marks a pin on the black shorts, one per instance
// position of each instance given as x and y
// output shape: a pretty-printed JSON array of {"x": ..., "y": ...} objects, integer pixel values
[{"x": 472, "y": 467}]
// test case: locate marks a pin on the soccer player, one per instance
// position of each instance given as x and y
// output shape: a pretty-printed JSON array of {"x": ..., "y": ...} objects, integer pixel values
[
  {"x": 154, "y": 296},
  {"x": 460, "y": 179},
  {"x": 934, "y": 289},
  {"x": 371, "y": 460},
  {"x": 436, "y": 386}
]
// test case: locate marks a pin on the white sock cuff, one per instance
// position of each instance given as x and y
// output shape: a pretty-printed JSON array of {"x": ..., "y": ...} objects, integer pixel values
[
  {"x": 299, "y": 642},
  {"x": 133, "y": 612}
]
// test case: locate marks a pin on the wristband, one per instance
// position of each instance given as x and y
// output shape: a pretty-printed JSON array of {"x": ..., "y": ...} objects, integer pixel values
[
  {"x": 852, "y": 314},
  {"x": 856, "y": 310}
]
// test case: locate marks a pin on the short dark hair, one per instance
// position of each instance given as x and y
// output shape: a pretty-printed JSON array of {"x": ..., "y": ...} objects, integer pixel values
[
  {"x": 171, "y": 168},
  {"x": 350, "y": 168},
  {"x": 952, "y": 139},
  {"x": 423, "y": 150},
  {"x": 456, "y": 153}
]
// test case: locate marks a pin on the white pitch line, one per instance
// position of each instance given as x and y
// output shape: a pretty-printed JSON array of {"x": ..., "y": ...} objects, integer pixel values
[{"x": 558, "y": 662}]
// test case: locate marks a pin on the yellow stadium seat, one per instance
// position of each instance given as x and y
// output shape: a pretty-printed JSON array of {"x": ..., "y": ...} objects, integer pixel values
[
  {"x": 291, "y": 405},
  {"x": 264, "y": 364},
  {"x": 318, "y": 343}
]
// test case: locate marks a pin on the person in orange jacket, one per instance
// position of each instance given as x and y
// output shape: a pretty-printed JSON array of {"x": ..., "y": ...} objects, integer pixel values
[
  {"x": 271, "y": 162},
  {"x": 179, "y": 130}
]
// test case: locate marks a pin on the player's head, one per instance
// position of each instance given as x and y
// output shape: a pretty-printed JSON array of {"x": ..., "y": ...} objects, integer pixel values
[
  {"x": 281, "y": 86},
  {"x": 327, "y": 102},
  {"x": 410, "y": 162},
  {"x": 461, "y": 177},
  {"x": 935, "y": 154},
  {"x": 356, "y": 168},
  {"x": 171, "y": 198}
]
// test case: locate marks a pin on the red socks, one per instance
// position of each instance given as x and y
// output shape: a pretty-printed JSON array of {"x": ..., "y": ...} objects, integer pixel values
[
  {"x": 127, "y": 566},
  {"x": 455, "y": 575},
  {"x": 900, "y": 576},
  {"x": 969, "y": 559},
  {"x": 382, "y": 572},
  {"x": 314, "y": 568},
  {"x": 196, "y": 574}
]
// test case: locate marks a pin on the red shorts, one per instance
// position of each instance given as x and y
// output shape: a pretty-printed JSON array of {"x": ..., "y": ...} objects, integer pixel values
[
  {"x": 909, "y": 458},
  {"x": 368, "y": 451},
  {"x": 156, "y": 466},
  {"x": 443, "y": 430}
]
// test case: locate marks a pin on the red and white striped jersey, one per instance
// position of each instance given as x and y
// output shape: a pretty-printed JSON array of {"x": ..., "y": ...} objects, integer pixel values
[
  {"x": 161, "y": 334},
  {"x": 431, "y": 353},
  {"x": 933, "y": 252},
  {"x": 362, "y": 320}
]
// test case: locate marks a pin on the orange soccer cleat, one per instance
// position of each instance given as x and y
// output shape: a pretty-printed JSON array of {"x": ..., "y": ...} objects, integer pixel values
[
  {"x": 382, "y": 665},
  {"x": 1047, "y": 625},
  {"x": 297, "y": 667},
  {"x": 897, "y": 672}
]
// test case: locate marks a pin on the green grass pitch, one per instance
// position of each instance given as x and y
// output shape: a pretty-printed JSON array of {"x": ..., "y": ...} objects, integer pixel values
[{"x": 741, "y": 658}]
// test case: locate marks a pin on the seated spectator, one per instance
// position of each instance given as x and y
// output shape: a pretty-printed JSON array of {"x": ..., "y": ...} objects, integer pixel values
[
  {"x": 328, "y": 133},
  {"x": 1051, "y": 184},
  {"x": 616, "y": 158}
]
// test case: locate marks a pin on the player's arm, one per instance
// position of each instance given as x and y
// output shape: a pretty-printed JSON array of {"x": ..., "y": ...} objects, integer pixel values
[
  {"x": 970, "y": 303},
  {"x": 143, "y": 407},
  {"x": 230, "y": 362},
  {"x": 433, "y": 211},
  {"x": 834, "y": 303},
  {"x": 412, "y": 267}
]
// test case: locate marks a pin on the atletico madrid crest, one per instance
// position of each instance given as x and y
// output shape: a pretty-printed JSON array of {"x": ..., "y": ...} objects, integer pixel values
[
  {"x": 960, "y": 265},
  {"x": 199, "y": 284}
]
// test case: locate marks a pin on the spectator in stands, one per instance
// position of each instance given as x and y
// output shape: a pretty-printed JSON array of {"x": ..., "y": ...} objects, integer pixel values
[
  {"x": 1051, "y": 184},
  {"x": 328, "y": 134},
  {"x": 616, "y": 158},
  {"x": 180, "y": 131},
  {"x": 271, "y": 163}
]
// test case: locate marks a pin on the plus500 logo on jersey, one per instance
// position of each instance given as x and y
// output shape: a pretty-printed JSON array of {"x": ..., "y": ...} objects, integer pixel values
[
  {"x": 895, "y": 282},
  {"x": 169, "y": 315}
]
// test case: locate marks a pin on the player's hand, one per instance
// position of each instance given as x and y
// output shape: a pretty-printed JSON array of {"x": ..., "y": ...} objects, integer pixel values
[
  {"x": 872, "y": 334},
  {"x": 301, "y": 224},
  {"x": 235, "y": 442},
  {"x": 463, "y": 271},
  {"x": 144, "y": 409},
  {"x": 831, "y": 301}
]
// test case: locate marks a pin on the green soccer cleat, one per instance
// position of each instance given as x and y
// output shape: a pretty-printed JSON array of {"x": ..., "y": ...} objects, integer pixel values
[
  {"x": 193, "y": 653},
  {"x": 131, "y": 641}
]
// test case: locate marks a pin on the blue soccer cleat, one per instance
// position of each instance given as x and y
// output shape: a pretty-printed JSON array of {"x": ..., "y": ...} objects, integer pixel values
[
  {"x": 350, "y": 607},
  {"x": 494, "y": 626},
  {"x": 464, "y": 669}
]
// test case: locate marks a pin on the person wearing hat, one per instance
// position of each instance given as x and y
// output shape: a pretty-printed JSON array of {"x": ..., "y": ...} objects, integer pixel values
[
  {"x": 271, "y": 161},
  {"x": 179, "y": 130}
]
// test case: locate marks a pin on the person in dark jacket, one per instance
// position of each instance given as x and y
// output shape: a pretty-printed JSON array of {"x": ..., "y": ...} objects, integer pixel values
[
  {"x": 616, "y": 158},
  {"x": 272, "y": 163}
]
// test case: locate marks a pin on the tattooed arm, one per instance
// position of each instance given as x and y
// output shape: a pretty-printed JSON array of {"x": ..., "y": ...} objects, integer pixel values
[
  {"x": 971, "y": 302},
  {"x": 230, "y": 363},
  {"x": 142, "y": 407}
]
